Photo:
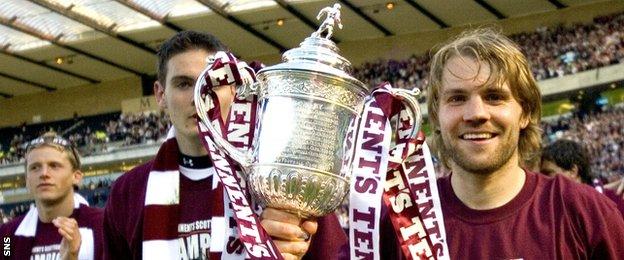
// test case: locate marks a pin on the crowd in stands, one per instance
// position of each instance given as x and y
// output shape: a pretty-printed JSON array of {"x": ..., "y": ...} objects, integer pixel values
[
  {"x": 602, "y": 134},
  {"x": 137, "y": 128},
  {"x": 96, "y": 192},
  {"x": 562, "y": 50},
  {"x": 15, "y": 150},
  {"x": 407, "y": 74},
  {"x": 552, "y": 52},
  {"x": 94, "y": 137}
]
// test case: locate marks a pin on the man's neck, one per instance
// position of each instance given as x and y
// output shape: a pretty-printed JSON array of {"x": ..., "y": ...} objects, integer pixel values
[
  {"x": 48, "y": 212},
  {"x": 488, "y": 191},
  {"x": 191, "y": 146}
]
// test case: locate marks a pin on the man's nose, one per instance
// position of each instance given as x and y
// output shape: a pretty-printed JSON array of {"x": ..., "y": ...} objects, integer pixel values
[
  {"x": 476, "y": 111},
  {"x": 45, "y": 172}
]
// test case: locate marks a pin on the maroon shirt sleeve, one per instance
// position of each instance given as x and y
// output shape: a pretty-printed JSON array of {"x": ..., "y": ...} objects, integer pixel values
[
  {"x": 116, "y": 246},
  {"x": 603, "y": 224},
  {"x": 329, "y": 241},
  {"x": 619, "y": 202},
  {"x": 114, "y": 243}
]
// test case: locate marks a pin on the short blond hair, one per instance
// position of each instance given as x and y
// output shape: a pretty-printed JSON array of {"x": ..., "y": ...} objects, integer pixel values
[
  {"x": 507, "y": 64},
  {"x": 51, "y": 139}
]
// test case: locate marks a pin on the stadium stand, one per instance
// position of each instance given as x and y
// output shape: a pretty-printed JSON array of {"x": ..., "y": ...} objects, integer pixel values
[
  {"x": 92, "y": 134},
  {"x": 552, "y": 52},
  {"x": 602, "y": 134}
]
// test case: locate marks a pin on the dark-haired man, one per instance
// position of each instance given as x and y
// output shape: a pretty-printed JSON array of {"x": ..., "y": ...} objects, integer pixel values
[
  {"x": 61, "y": 225},
  {"x": 566, "y": 157},
  {"x": 172, "y": 207},
  {"x": 570, "y": 158}
]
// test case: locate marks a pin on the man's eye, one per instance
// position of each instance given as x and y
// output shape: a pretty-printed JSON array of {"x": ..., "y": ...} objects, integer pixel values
[
  {"x": 456, "y": 99},
  {"x": 185, "y": 84},
  {"x": 494, "y": 97}
]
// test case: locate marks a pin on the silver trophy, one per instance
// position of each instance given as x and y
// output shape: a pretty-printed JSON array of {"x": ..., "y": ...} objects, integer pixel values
[{"x": 307, "y": 106}]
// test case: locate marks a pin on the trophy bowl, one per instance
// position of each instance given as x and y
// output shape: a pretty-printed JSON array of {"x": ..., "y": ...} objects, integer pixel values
[{"x": 306, "y": 111}]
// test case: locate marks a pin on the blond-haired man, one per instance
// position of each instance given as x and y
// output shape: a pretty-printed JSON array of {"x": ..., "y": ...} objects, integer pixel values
[{"x": 60, "y": 225}]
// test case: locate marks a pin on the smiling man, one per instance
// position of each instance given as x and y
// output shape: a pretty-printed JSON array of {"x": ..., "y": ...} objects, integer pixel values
[
  {"x": 484, "y": 105},
  {"x": 60, "y": 225}
]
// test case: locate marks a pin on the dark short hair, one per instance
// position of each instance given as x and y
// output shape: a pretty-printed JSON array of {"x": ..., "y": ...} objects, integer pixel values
[
  {"x": 566, "y": 154},
  {"x": 184, "y": 41}
]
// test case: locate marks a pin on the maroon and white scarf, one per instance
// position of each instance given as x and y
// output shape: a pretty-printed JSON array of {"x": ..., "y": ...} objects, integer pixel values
[{"x": 161, "y": 213}]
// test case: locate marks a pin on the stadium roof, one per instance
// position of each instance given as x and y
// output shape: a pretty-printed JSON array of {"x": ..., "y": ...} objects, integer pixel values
[{"x": 47, "y": 45}]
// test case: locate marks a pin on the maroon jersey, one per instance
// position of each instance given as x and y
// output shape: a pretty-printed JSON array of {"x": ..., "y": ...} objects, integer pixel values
[
  {"x": 123, "y": 219},
  {"x": 46, "y": 242},
  {"x": 195, "y": 222},
  {"x": 551, "y": 218},
  {"x": 617, "y": 199}
]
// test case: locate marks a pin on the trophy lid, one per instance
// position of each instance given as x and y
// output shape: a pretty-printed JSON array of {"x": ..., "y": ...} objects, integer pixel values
[{"x": 319, "y": 54}]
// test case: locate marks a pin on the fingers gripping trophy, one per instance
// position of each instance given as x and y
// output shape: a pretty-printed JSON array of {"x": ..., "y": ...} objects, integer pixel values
[{"x": 314, "y": 134}]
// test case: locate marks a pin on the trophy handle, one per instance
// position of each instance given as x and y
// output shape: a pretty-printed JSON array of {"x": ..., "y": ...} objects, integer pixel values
[
  {"x": 202, "y": 106},
  {"x": 408, "y": 97}
]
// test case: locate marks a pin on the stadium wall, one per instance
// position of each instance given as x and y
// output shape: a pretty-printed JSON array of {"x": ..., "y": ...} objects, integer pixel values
[{"x": 85, "y": 100}]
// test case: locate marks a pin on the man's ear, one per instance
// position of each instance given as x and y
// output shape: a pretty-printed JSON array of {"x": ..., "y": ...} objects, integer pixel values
[
  {"x": 575, "y": 173},
  {"x": 524, "y": 120},
  {"x": 159, "y": 94},
  {"x": 77, "y": 177}
]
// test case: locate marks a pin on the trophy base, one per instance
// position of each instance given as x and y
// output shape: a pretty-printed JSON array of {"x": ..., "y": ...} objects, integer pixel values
[{"x": 299, "y": 190}]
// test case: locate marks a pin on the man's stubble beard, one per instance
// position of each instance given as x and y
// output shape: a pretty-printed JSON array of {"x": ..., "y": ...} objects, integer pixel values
[{"x": 501, "y": 155}]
